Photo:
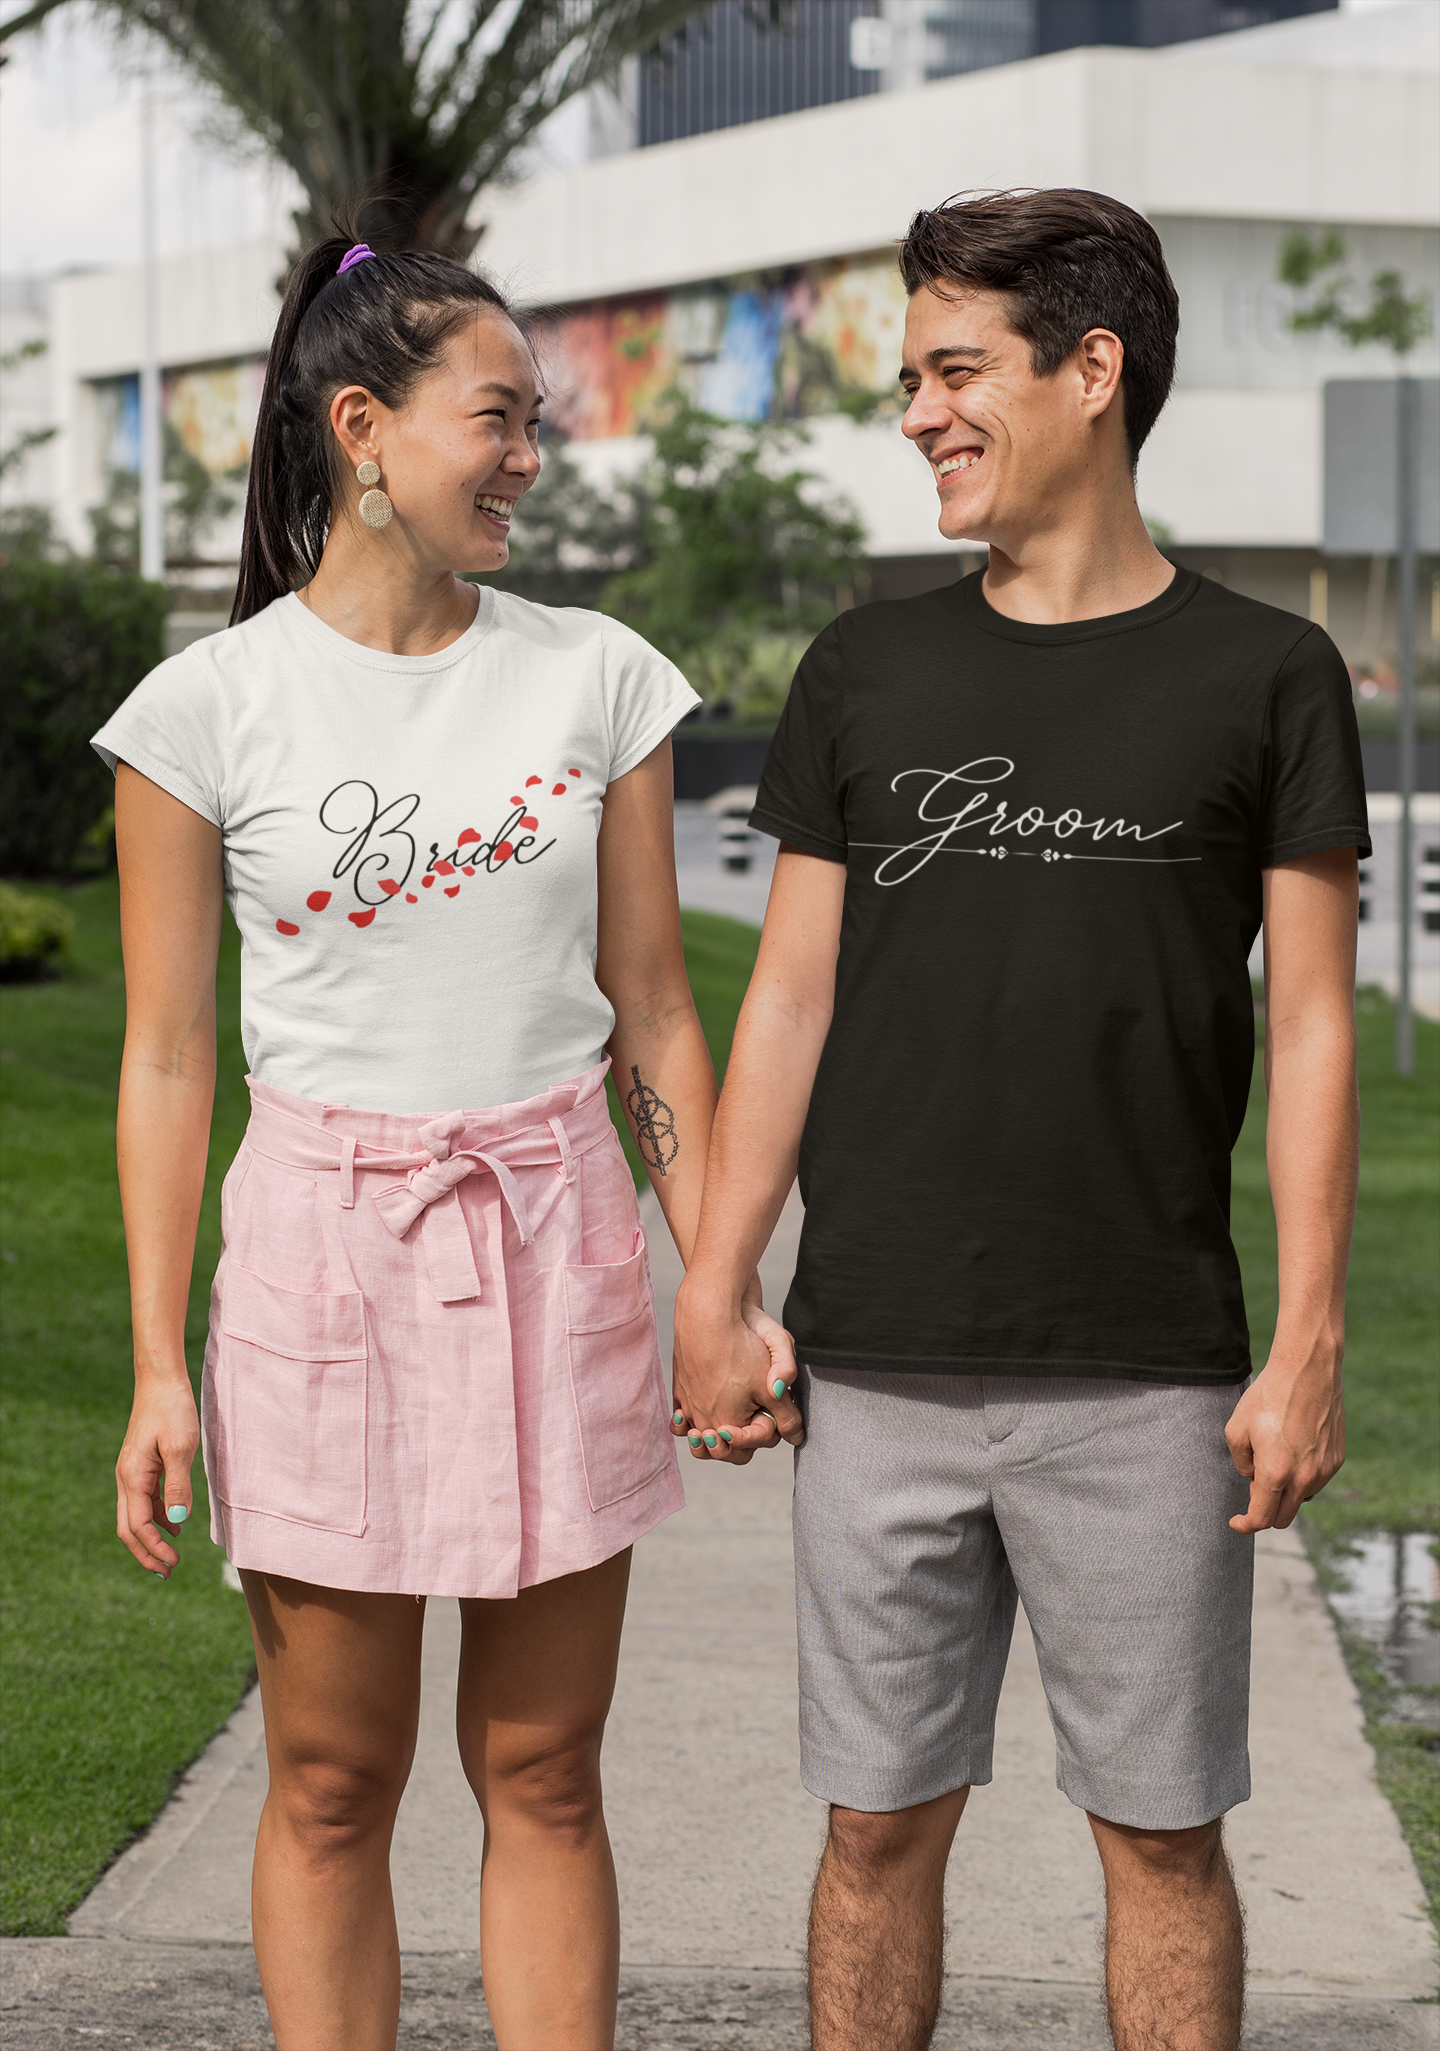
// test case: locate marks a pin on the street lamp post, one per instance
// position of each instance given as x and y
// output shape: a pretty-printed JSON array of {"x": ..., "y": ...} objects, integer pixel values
[
  {"x": 1407, "y": 428},
  {"x": 152, "y": 509},
  {"x": 1397, "y": 320}
]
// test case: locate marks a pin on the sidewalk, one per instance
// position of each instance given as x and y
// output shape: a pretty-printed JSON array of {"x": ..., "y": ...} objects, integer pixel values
[{"x": 715, "y": 1840}]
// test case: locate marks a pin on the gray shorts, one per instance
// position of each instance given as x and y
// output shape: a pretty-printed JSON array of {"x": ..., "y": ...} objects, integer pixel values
[{"x": 925, "y": 1503}]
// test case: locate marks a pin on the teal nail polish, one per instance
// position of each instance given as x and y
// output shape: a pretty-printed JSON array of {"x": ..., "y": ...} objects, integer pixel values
[
  {"x": 694, "y": 1438},
  {"x": 678, "y": 1418},
  {"x": 710, "y": 1439},
  {"x": 177, "y": 1513},
  {"x": 726, "y": 1436},
  {"x": 780, "y": 1389}
]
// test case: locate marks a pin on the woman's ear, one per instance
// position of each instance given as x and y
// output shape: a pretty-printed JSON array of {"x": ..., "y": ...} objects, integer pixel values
[{"x": 353, "y": 419}]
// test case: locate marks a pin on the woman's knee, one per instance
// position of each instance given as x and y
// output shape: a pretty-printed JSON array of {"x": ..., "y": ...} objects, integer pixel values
[
  {"x": 331, "y": 1805},
  {"x": 550, "y": 1785}
]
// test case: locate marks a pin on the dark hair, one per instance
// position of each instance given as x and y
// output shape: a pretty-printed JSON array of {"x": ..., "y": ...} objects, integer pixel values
[
  {"x": 383, "y": 324},
  {"x": 1067, "y": 261}
]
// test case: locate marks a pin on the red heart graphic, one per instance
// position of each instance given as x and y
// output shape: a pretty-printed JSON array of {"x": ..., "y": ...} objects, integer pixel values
[
  {"x": 284, "y": 926},
  {"x": 504, "y": 851},
  {"x": 559, "y": 790},
  {"x": 574, "y": 772},
  {"x": 453, "y": 891},
  {"x": 530, "y": 825},
  {"x": 468, "y": 835},
  {"x": 317, "y": 900},
  {"x": 530, "y": 781},
  {"x": 411, "y": 898},
  {"x": 390, "y": 887},
  {"x": 362, "y": 918},
  {"x": 426, "y": 882},
  {"x": 444, "y": 868},
  {"x": 517, "y": 801}
]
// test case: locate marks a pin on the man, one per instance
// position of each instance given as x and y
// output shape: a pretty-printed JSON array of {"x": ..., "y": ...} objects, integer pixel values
[{"x": 1002, "y": 1017}]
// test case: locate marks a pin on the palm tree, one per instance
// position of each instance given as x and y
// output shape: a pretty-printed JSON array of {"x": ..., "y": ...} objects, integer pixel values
[{"x": 409, "y": 106}]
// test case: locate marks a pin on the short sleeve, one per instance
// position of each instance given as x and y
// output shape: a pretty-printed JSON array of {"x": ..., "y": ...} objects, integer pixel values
[
  {"x": 646, "y": 697},
  {"x": 1312, "y": 788},
  {"x": 798, "y": 799},
  {"x": 169, "y": 729}
]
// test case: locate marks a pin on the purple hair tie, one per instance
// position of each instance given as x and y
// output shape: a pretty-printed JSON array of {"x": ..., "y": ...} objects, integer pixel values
[{"x": 353, "y": 256}]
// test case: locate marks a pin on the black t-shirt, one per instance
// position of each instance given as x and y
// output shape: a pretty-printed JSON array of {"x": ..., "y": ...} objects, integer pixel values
[{"x": 1017, "y": 1153}]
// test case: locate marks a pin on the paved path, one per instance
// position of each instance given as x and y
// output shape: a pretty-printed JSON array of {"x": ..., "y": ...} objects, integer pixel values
[{"x": 715, "y": 1840}]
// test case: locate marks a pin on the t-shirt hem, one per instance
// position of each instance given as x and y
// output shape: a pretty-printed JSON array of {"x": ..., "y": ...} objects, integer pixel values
[
  {"x": 1317, "y": 842},
  {"x": 165, "y": 774},
  {"x": 1022, "y": 1367},
  {"x": 804, "y": 837}
]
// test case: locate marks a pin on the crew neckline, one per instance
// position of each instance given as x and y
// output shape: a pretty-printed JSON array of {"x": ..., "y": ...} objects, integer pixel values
[
  {"x": 1177, "y": 593},
  {"x": 396, "y": 665}
]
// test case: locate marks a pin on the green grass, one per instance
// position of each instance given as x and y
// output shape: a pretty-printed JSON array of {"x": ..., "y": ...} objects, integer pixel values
[{"x": 111, "y": 1682}]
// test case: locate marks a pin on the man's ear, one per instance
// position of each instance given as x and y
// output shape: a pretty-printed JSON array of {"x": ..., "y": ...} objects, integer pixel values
[{"x": 1100, "y": 360}]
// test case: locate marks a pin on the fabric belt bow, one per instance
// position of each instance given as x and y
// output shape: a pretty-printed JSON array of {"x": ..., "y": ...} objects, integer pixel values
[{"x": 429, "y": 1192}]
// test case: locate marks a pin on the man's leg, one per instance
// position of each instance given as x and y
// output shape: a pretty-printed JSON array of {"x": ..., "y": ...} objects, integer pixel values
[
  {"x": 877, "y": 1927},
  {"x": 904, "y": 1608},
  {"x": 1174, "y": 1939}
]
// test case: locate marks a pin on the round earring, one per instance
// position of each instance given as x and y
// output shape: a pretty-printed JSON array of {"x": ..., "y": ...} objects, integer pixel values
[{"x": 375, "y": 507}]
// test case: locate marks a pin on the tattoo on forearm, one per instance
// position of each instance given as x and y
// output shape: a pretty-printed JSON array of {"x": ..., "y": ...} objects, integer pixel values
[{"x": 654, "y": 1126}]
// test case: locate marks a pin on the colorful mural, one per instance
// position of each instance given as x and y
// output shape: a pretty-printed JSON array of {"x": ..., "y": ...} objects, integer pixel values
[
  {"x": 212, "y": 409},
  {"x": 776, "y": 347}
]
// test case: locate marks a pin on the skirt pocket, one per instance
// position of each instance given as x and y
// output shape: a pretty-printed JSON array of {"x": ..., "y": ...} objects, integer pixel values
[
  {"x": 289, "y": 1403},
  {"x": 615, "y": 1377}
]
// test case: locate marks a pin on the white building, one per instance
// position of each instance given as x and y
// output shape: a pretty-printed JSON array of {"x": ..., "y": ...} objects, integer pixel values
[{"x": 755, "y": 264}]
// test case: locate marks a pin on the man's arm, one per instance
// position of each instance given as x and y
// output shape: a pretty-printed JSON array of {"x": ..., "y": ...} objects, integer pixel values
[
  {"x": 724, "y": 1376},
  {"x": 1287, "y": 1435}
]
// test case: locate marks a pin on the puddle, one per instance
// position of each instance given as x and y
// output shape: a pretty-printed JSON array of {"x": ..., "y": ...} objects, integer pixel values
[{"x": 1386, "y": 1587}]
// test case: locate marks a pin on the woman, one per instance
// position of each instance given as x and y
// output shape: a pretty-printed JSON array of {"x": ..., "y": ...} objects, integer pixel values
[{"x": 442, "y": 819}]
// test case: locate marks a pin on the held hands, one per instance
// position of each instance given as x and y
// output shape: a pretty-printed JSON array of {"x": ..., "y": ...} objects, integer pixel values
[
  {"x": 153, "y": 1472},
  {"x": 1287, "y": 1437},
  {"x": 734, "y": 1373}
]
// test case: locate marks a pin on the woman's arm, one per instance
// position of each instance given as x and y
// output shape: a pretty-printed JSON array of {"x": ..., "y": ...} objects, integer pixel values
[
  {"x": 722, "y": 1380},
  {"x": 660, "y": 1062},
  {"x": 170, "y": 905}
]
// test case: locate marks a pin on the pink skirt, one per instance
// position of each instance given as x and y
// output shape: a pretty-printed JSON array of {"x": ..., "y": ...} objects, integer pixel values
[{"x": 432, "y": 1366}]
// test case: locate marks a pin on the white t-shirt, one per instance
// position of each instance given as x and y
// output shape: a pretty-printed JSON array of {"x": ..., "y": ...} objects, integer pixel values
[{"x": 409, "y": 840}]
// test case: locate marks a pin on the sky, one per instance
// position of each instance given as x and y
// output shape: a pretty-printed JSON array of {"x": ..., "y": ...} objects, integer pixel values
[{"x": 70, "y": 157}]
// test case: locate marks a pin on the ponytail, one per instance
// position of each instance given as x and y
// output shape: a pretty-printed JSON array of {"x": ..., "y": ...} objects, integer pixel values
[{"x": 382, "y": 323}]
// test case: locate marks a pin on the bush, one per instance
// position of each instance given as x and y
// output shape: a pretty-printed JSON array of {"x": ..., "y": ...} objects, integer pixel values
[
  {"x": 78, "y": 638},
  {"x": 748, "y": 675},
  {"x": 35, "y": 933}
]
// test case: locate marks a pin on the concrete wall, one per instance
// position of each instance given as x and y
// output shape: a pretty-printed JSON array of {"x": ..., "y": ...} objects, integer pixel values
[
  {"x": 25, "y": 393},
  {"x": 214, "y": 305},
  {"x": 1190, "y": 138}
]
